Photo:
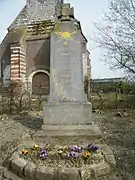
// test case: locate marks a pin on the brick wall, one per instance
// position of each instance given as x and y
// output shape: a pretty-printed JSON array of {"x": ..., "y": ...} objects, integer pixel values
[{"x": 18, "y": 64}]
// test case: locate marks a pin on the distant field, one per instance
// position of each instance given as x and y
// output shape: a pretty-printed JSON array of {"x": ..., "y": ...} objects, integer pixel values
[{"x": 110, "y": 101}]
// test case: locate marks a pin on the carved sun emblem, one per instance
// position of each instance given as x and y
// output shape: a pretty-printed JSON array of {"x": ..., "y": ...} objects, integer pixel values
[{"x": 65, "y": 34}]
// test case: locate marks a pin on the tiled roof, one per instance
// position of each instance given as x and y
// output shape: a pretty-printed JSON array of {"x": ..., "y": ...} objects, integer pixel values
[{"x": 34, "y": 12}]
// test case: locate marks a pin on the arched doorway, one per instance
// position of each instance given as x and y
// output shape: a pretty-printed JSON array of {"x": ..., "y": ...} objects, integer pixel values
[{"x": 40, "y": 84}]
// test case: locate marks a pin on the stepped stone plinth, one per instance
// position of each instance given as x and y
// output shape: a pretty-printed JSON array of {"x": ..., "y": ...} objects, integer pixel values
[{"x": 68, "y": 113}]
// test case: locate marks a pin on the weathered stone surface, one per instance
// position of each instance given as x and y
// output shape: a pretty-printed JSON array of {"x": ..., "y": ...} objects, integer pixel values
[
  {"x": 112, "y": 176},
  {"x": 58, "y": 10},
  {"x": 67, "y": 113},
  {"x": 108, "y": 154},
  {"x": 66, "y": 75},
  {"x": 14, "y": 156},
  {"x": 18, "y": 165},
  {"x": 110, "y": 159},
  {"x": 101, "y": 169},
  {"x": 106, "y": 149},
  {"x": 67, "y": 100},
  {"x": 43, "y": 173},
  {"x": 9, "y": 175},
  {"x": 86, "y": 174},
  {"x": 69, "y": 174},
  {"x": 91, "y": 131},
  {"x": 29, "y": 170},
  {"x": 72, "y": 11},
  {"x": 64, "y": 10}
]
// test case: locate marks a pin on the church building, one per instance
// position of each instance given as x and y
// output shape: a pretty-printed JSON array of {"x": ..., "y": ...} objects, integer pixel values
[{"x": 25, "y": 50}]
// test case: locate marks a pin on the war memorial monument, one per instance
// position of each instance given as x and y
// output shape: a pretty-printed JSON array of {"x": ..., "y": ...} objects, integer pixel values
[{"x": 51, "y": 52}]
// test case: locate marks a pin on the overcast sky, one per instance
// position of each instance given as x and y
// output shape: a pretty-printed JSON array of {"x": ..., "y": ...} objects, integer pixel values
[{"x": 86, "y": 11}]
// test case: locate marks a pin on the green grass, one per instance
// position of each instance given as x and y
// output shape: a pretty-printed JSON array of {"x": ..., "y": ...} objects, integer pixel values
[{"x": 109, "y": 101}]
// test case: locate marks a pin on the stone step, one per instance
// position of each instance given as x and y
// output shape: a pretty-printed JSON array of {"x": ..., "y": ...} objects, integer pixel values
[
  {"x": 91, "y": 131},
  {"x": 68, "y": 127},
  {"x": 9, "y": 175}
]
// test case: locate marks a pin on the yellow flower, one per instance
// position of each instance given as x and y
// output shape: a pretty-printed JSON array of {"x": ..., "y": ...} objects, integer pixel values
[
  {"x": 65, "y": 147},
  {"x": 60, "y": 152},
  {"x": 25, "y": 152},
  {"x": 87, "y": 155},
  {"x": 35, "y": 147}
]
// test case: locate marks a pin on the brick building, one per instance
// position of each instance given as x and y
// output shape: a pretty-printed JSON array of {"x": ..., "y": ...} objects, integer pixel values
[{"x": 25, "y": 50}]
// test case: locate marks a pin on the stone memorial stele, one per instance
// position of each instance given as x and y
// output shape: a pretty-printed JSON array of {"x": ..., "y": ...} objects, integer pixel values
[{"x": 67, "y": 103}]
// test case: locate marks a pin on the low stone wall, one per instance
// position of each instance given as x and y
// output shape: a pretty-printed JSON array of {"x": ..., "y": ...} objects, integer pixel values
[{"x": 29, "y": 171}]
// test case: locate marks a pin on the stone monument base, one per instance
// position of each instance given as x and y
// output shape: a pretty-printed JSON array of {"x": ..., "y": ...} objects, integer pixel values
[
  {"x": 67, "y": 113},
  {"x": 68, "y": 119},
  {"x": 91, "y": 131}
]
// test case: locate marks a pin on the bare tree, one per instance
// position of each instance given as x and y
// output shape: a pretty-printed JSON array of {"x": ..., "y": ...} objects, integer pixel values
[
  {"x": 20, "y": 96},
  {"x": 116, "y": 35}
]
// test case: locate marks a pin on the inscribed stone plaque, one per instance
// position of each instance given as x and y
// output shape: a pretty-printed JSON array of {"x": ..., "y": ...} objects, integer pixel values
[{"x": 66, "y": 79}]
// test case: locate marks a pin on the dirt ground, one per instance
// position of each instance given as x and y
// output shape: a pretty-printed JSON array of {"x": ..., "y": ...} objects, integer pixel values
[{"x": 118, "y": 132}]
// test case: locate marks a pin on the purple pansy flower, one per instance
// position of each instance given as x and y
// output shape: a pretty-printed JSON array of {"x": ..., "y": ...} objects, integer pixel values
[
  {"x": 95, "y": 148},
  {"x": 43, "y": 153},
  {"x": 75, "y": 148},
  {"x": 89, "y": 145},
  {"x": 73, "y": 154}
]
